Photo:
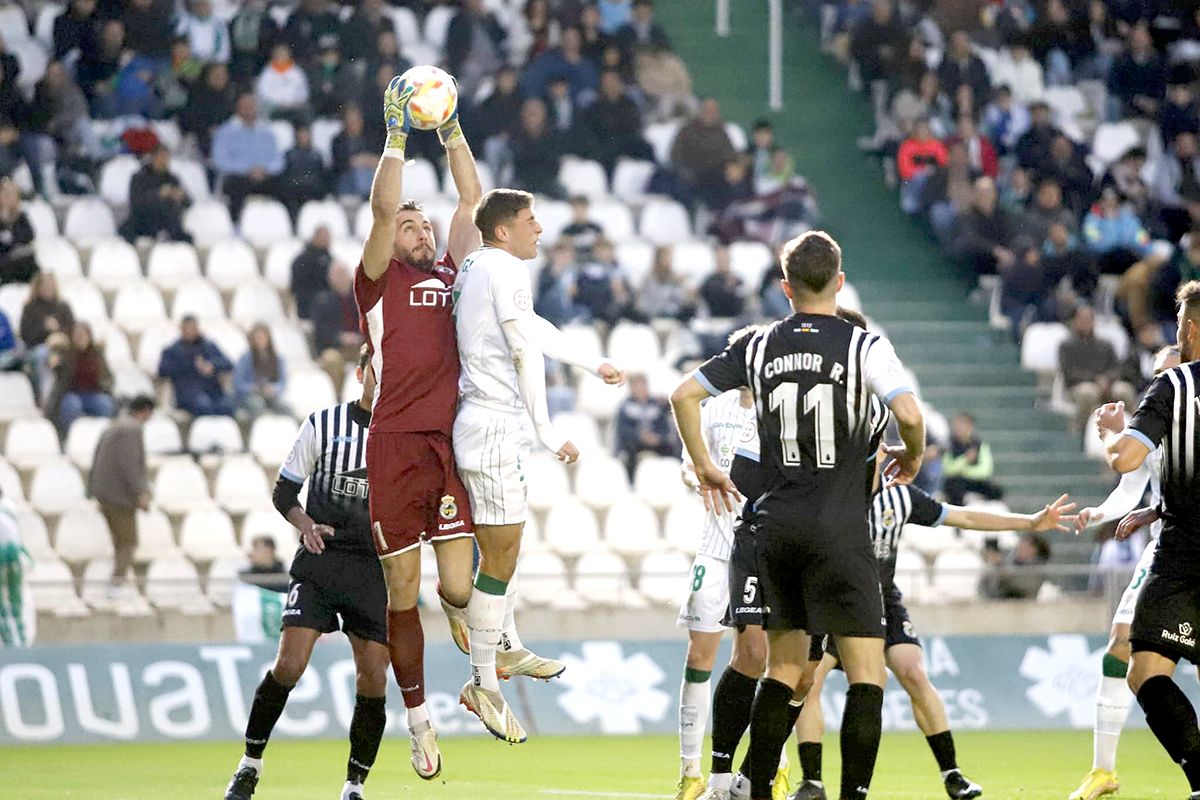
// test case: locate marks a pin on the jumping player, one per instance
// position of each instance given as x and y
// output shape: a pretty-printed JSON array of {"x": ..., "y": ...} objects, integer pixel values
[
  {"x": 335, "y": 573},
  {"x": 501, "y": 345}
]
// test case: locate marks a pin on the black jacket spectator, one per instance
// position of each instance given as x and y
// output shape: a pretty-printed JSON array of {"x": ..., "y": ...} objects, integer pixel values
[
  {"x": 1138, "y": 79},
  {"x": 1033, "y": 148},
  {"x": 304, "y": 175},
  {"x": 643, "y": 425},
  {"x": 156, "y": 201},
  {"x": 17, "y": 262},
  {"x": 1065, "y": 164},
  {"x": 474, "y": 42},
  {"x": 960, "y": 66},
  {"x": 211, "y": 102},
  {"x": 310, "y": 273},
  {"x": 195, "y": 365},
  {"x": 722, "y": 290},
  {"x": 311, "y": 27},
  {"x": 12, "y": 104},
  {"x": 985, "y": 233},
  {"x": 613, "y": 124},
  {"x": 333, "y": 314},
  {"x": 101, "y": 60},
  {"x": 150, "y": 27},
  {"x": 252, "y": 34},
  {"x": 45, "y": 312},
  {"x": 73, "y": 30},
  {"x": 331, "y": 84},
  {"x": 642, "y": 30},
  {"x": 537, "y": 152},
  {"x": 361, "y": 31},
  {"x": 500, "y": 112},
  {"x": 878, "y": 42}
]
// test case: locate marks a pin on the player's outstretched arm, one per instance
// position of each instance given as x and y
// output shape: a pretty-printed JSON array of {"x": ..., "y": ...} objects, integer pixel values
[
  {"x": 387, "y": 188},
  {"x": 906, "y": 459},
  {"x": 554, "y": 345},
  {"x": 715, "y": 486},
  {"x": 1055, "y": 516},
  {"x": 530, "y": 364},
  {"x": 1122, "y": 500},
  {"x": 464, "y": 237},
  {"x": 1123, "y": 451}
]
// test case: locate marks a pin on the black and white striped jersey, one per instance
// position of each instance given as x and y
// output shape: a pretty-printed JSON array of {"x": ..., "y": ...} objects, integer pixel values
[
  {"x": 1169, "y": 415},
  {"x": 891, "y": 510},
  {"x": 331, "y": 454}
]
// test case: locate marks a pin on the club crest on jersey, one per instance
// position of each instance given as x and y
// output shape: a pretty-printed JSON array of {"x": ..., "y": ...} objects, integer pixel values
[
  {"x": 522, "y": 300},
  {"x": 449, "y": 508},
  {"x": 429, "y": 293}
]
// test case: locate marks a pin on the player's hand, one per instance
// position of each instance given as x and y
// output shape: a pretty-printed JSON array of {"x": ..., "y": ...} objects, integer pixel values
[
  {"x": 611, "y": 375},
  {"x": 688, "y": 473},
  {"x": 313, "y": 538},
  {"x": 1054, "y": 517},
  {"x": 1110, "y": 418},
  {"x": 1085, "y": 517},
  {"x": 568, "y": 453},
  {"x": 1134, "y": 520},
  {"x": 717, "y": 489},
  {"x": 450, "y": 132},
  {"x": 903, "y": 467},
  {"x": 395, "y": 108}
]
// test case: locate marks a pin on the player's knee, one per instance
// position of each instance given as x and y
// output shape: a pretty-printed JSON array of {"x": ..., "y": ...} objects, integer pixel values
[
  {"x": 288, "y": 669},
  {"x": 803, "y": 687},
  {"x": 1118, "y": 647},
  {"x": 911, "y": 675},
  {"x": 370, "y": 680},
  {"x": 750, "y": 658}
]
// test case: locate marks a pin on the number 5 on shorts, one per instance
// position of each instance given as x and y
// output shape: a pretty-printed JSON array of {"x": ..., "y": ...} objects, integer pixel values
[
  {"x": 698, "y": 577},
  {"x": 751, "y": 589}
]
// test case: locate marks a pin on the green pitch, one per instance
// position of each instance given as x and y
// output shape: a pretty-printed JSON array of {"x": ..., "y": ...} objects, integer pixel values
[{"x": 1010, "y": 765}]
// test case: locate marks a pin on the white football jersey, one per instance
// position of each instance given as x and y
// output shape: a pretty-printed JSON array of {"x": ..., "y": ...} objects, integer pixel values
[
  {"x": 727, "y": 427},
  {"x": 492, "y": 288}
]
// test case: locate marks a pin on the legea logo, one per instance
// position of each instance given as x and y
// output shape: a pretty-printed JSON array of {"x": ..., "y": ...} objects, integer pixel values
[
  {"x": 619, "y": 691},
  {"x": 1065, "y": 678}
]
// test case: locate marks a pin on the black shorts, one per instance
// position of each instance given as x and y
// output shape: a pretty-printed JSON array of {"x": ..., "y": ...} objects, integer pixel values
[
  {"x": 807, "y": 584},
  {"x": 745, "y": 593},
  {"x": 352, "y": 597},
  {"x": 1166, "y": 617},
  {"x": 898, "y": 630}
]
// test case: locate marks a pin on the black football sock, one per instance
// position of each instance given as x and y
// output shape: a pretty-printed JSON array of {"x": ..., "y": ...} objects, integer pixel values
[
  {"x": 768, "y": 733},
  {"x": 793, "y": 714},
  {"x": 1170, "y": 715},
  {"x": 269, "y": 699},
  {"x": 810, "y": 760},
  {"x": 942, "y": 745},
  {"x": 862, "y": 724},
  {"x": 730, "y": 716},
  {"x": 366, "y": 732}
]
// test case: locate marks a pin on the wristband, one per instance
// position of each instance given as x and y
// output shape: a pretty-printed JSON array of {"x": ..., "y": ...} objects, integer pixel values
[
  {"x": 395, "y": 143},
  {"x": 451, "y": 135}
]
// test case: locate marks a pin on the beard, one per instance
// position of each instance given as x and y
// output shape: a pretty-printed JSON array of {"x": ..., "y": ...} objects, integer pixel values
[{"x": 422, "y": 258}]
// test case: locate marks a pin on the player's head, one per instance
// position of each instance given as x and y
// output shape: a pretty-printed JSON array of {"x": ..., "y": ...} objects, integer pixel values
[
  {"x": 365, "y": 373},
  {"x": 812, "y": 268},
  {"x": 855, "y": 318},
  {"x": 415, "y": 243},
  {"x": 1188, "y": 335},
  {"x": 1166, "y": 358},
  {"x": 505, "y": 220}
]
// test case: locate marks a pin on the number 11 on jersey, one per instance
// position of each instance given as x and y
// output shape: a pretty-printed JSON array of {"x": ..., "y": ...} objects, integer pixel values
[{"x": 818, "y": 401}]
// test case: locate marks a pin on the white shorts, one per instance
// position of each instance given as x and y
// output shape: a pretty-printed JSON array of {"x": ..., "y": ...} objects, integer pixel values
[
  {"x": 707, "y": 602},
  {"x": 1124, "y": 615},
  {"x": 489, "y": 448}
]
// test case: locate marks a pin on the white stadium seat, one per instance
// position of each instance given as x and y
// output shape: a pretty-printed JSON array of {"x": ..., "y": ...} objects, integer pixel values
[
  {"x": 1039, "y": 347},
  {"x": 277, "y": 266},
  {"x": 115, "y": 177},
  {"x": 85, "y": 299},
  {"x": 43, "y": 28},
  {"x": 10, "y": 482},
  {"x": 737, "y": 136},
  {"x": 271, "y": 439},
  {"x": 421, "y": 182},
  {"x": 290, "y": 343},
  {"x": 634, "y": 347},
  {"x": 96, "y": 580},
  {"x": 31, "y": 442},
  {"x": 636, "y": 258},
  {"x": 553, "y": 216},
  {"x": 684, "y": 523},
  {"x": 230, "y": 264},
  {"x": 173, "y": 583},
  {"x": 154, "y": 339},
  {"x": 240, "y": 485},
  {"x": 486, "y": 180},
  {"x": 664, "y": 221},
  {"x": 695, "y": 261},
  {"x": 180, "y": 486},
  {"x": 931, "y": 541},
  {"x": 82, "y": 534},
  {"x": 285, "y": 134},
  {"x": 1111, "y": 140},
  {"x": 266, "y": 521},
  {"x": 911, "y": 574},
  {"x": 309, "y": 390},
  {"x": 13, "y": 297},
  {"x": 155, "y": 539},
  {"x": 192, "y": 177},
  {"x": 265, "y": 222},
  {"x": 581, "y": 176},
  {"x": 34, "y": 536},
  {"x": 89, "y": 219},
  {"x": 656, "y": 480},
  {"x": 231, "y": 339},
  {"x": 956, "y": 575},
  {"x": 324, "y": 131},
  {"x": 14, "y": 27},
  {"x": 580, "y": 429},
  {"x": 16, "y": 396},
  {"x": 631, "y": 528},
  {"x": 207, "y": 534},
  {"x": 597, "y": 398},
  {"x": 615, "y": 218},
  {"x": 41, "y": 217},
  {"x": 197, "y": 298},
  {"x": 571, "y": 528},
  {"x": 330, "y": 214},
  {"x": 437, "y": 25},
  {"x": 663, "y": 577},
  {"x": 52, "y": 589},
  {"x": 160, "y": 435},
  {"x": 208, "y": 222},
  {"x": 129, "y": 380},
  {"x": 170, "y": 265},
  {"x": 58, "y": 256},
  {"x": 601, "y": 480},
  {"x": 630, "y": 179},
  {"x": 214, "y": 433},
  {"x": 749, "y": 260},
  {"x": 222, "y": 577},
  {"x": 138, "y": 307},
  {"x": 543, "y": 578},
  {"x": 545, "y": 479},
  {"x": 113, "y": 263},
  {"x": 661, "y": 136},
  {"x": 56, "y": 487},
  {"x": 601, "y": 578},
  {"x": 33, "y": 60},
  {"x": 253, "y": 303}
]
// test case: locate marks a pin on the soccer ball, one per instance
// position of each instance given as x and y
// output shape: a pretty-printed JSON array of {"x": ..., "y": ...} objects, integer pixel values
[{"x": 434, "y": 98}]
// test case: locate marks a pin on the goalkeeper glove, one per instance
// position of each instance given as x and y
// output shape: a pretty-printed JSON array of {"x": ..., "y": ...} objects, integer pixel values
[
  {"x": 396, "y": 116},
  {"x": 450, "y": 132}
]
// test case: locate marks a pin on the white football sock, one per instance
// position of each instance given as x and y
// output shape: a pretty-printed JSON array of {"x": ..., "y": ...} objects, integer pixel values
[
  {"x": 694, "y": 702},
  {"x": 351, "y": 787},
  {"x": 418, "y": 718},
  {"x": 1112, "y": 709},
  {"x": 254, "y": 763},
  {"x": 510, "y": 640},
  {"x": 720, "y": 780},
  {"x": 485, "y": 615}
]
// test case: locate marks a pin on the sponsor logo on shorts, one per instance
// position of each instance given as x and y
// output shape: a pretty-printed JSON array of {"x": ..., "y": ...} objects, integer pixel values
[
  {"x": 449, "y": 508},
  {"x": 748, "y": 610},
  {"x": 1183, "y": 637},
  {"x": 449, "y": 526},
  {"x": 291, "y": 612}
]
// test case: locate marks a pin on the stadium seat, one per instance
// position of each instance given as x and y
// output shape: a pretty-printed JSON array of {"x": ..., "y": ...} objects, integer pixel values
[
  {"x": 656, "y": 480},
  {"x": 155, "y": 539},
  {"x": 230, "y": 264},
  {"x": 1110, "y": 141},
  {"x": 437, "y": 26},
  {"x": 30, "y": 443},
  {"x": 88, "y": 220},
  {"x": 56, "y": 487},
  {"x": 240, "y": 485},
  {"x": 85, "y": 299},
  {"x": 271, "y": 439},
  {"x": 129, "y": 381},
  {"x": 956, "y": 575},
  {"x": 664, "y": 221},
  {"x": 180, "y": 486},
  {"x": 583, "y": 340},
  {"x": 277, "y": 266},
  {"x": 911, "y": 577},
  {"x": 113, "y": 263},
  {"x": 32, "y": 59},
  {"x": 601, "y": 579},
  {"x": 16, "y": 397},
  {"x": 580, "y": 429},
  {"x": 222, "y": 576},
  {"x": 290, "y": 344},
  {"x": 200, "y": 299},
  {"x": 264, "y": 222},
  {"x": 115, "y": 177},
  {"x": 737, "y": 136},
  {"x": 545, "y": 480},
  {"x": 543, "y": 578},
  {"x": 931, "y": 541},
  {"x": 41, "y": 218},
  {"x": 1111, "y": 329},
  {"x": 661, "y": 136},
  {"x": 553, "y": 216},
  {"x": 168, "y": 132},
  {"x": 253, "y": 303},
  {"x": 324, "y": 131},
  {"x": 43, "y": 27},
  {"x": 634, "y": 347},
  {"x": 208, "y": 222},
  {"x": 631, "y": 528},
  {"x": 330, "y": 214},
  {"x": 58, "y": 256},
  {"x": 82, "y": 534},
  {"x": 615, "y": 218},
  {"x": 487, "y": 182},
  {"x": 749, "y": 261},
  {"x": 52, "y": 589},
  {"x": 170, "y": 265},
  {"x": 207, "y": 534},
  {"x": 1039, "y": 347},
  {"x": 1067, "y": 102},
  {"x": 285, "y": 134},
  {"x": 601, "y": 480},
  {"x": 193, "y": 177},
  {"x": 597, "y": 398},
  {"x": 663, "y": 378},
  {"x": 172, "y": 583},
  {"x": 14, "y": 26},
  {"x": 630, "y": 179},
  {"x": 848, "y": 298},
  {"x": 684, "y": 523},
  {"x": 266, "y": 521},
  {"x": 161, "y": 437},
  {"x": 34, "y": 536},
  {"x": 309, "y": 390},
  {"x": 421, "y": 183},
  {"x": 153, "y": 340},
  {"x": 230, "y": 338},
  {"x": 571, "y": 528},
  {"x": 13, "y": 297},
  {"x": 585, "y": 177},
  {"x": 693, "y": 260},
  {"x": 10, "y": 482},
  {"x": 214, "y": 434},
  {"x": 95, "y": 592},
  {"x": 663, "y": 577}
]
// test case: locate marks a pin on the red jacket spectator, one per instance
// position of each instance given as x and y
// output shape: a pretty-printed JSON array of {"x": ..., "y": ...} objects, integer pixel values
[
  {"x": 920, "y": 152},
  {"x": 980, "y": 149}
]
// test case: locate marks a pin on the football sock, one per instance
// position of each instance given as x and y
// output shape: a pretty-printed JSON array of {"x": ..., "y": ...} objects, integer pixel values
[
  {"x": 768, "y": 732},
  {"x": 406, "y": 647},
  {"x": 793, "y": 714},
  {"x": 366, "y": 732},
  {"x": 810, "y": 760},
  {"x": 510, "y": 640},
  {"x": 351, "y": 788},
  {"x": 694, "y": 700},
  {"x": 730, "y": 716},
  {"x": 862, "y": 724},
  {"x": 485, "y": 615},
  {"x": 1170, "y": 715},
  {"x": 255, "y": 764},
  {"x": 942, "y": 745},
  {"x": 269, "y": 699},
  {"x": 1112, "y": 709},
  {"x": 794, "y": 709}
]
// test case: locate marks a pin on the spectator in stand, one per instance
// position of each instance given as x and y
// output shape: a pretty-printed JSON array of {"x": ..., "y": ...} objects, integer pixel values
[
  {"x": 582, "y": 233},
  {"x": 310, "y": 272},
  {"x": 1058, "y": 41},
  {"x": 17, "y": 261},
  {"x": 336, "y": 333},
  {"x": 260, "y": 377},
  {"x": 1063, "y": 255},
  {"x": 595, "y": 40},
  {"x": 58, "y": 117},
  {"x": 949, "y": 190},
  {"x": 282, "y": 87},
  {"x": 1033, "y": 146},
  {"x": 1090, "y": 369},
  {"x": 1047, "y": 209},
  {"x": 207, "y": 35},
  {"x": 99, "y": 62},
  {"x": 174, "y": 84},
  {"x": 1114, "y": 234},
  {"x": 537, "y": 152},
  {"x": 702, "y": 147},
  {"x": 535, "y": 31},
  {"x": 601, "y": 291},
  {"x": 980, "y": 150},
  {"x": 1138, "y": 80},
  {"x": 644, "y": 425},
  {"x": 195, "y": 366},
  {"x": 560, "y": 106},
  {"x": 1005, "y": 121},
  {"x": 961, "y": 66},
  {"x": 82, "y": 383},
  {"x": 331, "y": 83},
  {"x": 556, "y": 286},
  {"x": 365, "y": 24},
  {"x": 1018, "y": 576},
  {"x": 762, "y": 144},
  {"x": 1149, "y": 294},
  {"x": 265, "y": 569},
  {"x": 664, "y": 295},
  {"x": 475, "y": 46},
  {"x": 252, "y": 33},
  {"x": 878, "y": 42},
  {"x": 918, "y": 157},
  {"x": 734, "y": 186},
  {"x": 386, "y": 58},
  {"x": 304, "y": 175},
  {"x": 74, "y": 29},
  {"x": 313, "y": 25},
  {"x": 497, "y": 115},
  {"x": 156, "y": 201},
  {"x": 1066, "y": 165},
  {"x": 641, "y": 31},
  {"x": 984, "y": 235},
  {"x": 968, "y": 465},
  {"x": 614, "y": 14},
  {"x": 44, "y": 312},
  {"x": 1027, "y": 288},
  {"x": 566, "y": 61},
  {"x": 150, "y": 27},
  {"x": 772, "y": 302},
  {"x": 120, "y": 483},
  {"x": 211, "y": 101},
  {"x": 245, "y": 155},
  {"x": 613, "y": 124},
  {"x": 1176, "y": 185},
  {"x": 1017, "y": 69},
  {"x": 1178, "y": 113},
  {"x": 722, "y": 291}
]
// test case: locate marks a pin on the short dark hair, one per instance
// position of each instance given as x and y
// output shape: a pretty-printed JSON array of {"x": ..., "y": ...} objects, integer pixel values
[
  {"x": 855, "y": 318},
  {"x": 811, "y": 261},
  {"x": 364, "y": 356},
  {"x": 763, "y": 125},
  {"x": 141, "y": 403},
  {"x": 264, "y": 539},
  {"x": 410, "y": 205},
  {"x": 499, "y": 207}
]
